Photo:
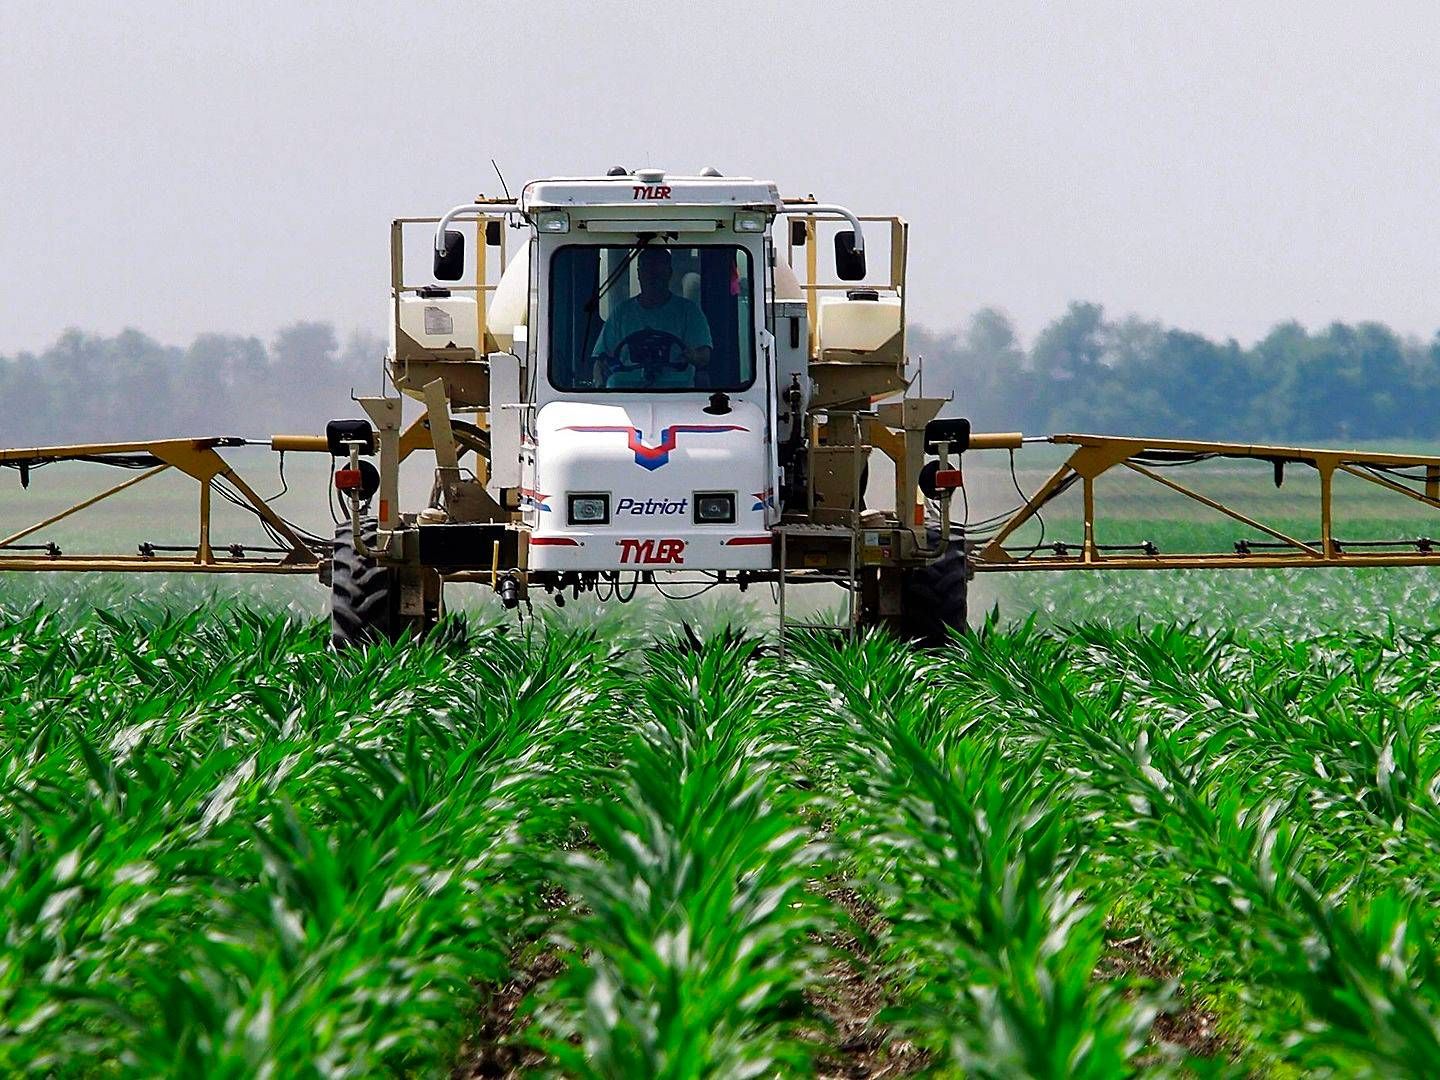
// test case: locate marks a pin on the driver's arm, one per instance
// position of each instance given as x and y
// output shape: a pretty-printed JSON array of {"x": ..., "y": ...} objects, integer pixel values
[
  {"x": 604, "y": 351},
  {"x": 697, "y": 337}
]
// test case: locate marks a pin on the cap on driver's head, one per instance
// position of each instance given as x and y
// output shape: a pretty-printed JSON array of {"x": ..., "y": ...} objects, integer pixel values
[{"x": 655, "y": 258}]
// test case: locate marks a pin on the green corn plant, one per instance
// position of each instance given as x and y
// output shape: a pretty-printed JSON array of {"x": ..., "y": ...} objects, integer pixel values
[
  {"x": 991, "y": 947},
  {"x": 225, "y": 850},
  {"x": 687, "y": 951},
  {"x": 306, "y": 870}
]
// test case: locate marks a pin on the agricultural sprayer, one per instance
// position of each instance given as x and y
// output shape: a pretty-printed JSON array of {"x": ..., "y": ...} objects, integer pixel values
[{"x": 672, "y": 379}]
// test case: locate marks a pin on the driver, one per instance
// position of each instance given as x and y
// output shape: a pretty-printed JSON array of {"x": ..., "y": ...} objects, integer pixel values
[{"x": 655, "y": 308}]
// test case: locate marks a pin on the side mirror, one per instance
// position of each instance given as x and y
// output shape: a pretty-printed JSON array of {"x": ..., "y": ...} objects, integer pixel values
[
  {"x": 492, "y": 233},
  {"x": 450, "y": 263},
  {"x": 849, "y": 263}
]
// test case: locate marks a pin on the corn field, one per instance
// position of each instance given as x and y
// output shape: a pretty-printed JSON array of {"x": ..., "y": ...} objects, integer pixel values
[{"x": 226, "y": 851}]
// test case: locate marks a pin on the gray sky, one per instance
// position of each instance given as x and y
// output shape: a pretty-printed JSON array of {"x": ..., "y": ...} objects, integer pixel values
[{"x": 189, "y": 167}]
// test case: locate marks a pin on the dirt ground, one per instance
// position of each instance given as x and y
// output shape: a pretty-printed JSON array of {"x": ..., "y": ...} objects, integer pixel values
[
  {"x": 1186, "y": 1024},
  {"x": 848, "y": 999}
]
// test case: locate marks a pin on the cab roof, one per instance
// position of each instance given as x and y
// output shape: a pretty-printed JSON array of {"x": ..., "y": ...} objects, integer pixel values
[{"x": 650, "y": 187}]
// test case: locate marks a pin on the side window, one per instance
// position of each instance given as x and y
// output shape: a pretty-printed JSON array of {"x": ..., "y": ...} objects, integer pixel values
[{"x": 573, "y": 329}]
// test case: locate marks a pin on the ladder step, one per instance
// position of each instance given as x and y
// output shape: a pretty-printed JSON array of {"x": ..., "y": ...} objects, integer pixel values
[
  {"x": 816, "y": 530},
  {"x": 850, "y": 582}
]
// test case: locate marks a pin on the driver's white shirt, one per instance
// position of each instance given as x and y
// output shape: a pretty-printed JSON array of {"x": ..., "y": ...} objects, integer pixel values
[{"x": 677, "y": 315}]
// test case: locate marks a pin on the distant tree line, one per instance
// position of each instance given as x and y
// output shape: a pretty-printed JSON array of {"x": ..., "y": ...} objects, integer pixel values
[
  {"x": 1083, "y": 372},
  {"x": 90, "y": 388}
]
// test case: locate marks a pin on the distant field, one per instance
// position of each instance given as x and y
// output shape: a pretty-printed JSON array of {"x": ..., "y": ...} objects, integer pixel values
[{"x": 1131, "y": 510}]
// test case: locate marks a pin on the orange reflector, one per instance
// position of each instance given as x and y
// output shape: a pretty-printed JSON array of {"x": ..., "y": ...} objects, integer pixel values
[
  {"x": 346, "y": 479},
  {"x": 747, "y": 541},
  {"x": 553, "y": 541},
  {"x": 384, "y": 509}
]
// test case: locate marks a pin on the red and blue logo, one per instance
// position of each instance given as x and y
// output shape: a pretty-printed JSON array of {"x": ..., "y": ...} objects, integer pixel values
[
  {"x": 531, "y": 499},
  {"x": 652, "y": 457},
  {"x": 764, "y": 499}
]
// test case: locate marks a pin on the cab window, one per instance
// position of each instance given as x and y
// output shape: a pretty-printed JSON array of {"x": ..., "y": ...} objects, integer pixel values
[{"x": 651, "y": 317}]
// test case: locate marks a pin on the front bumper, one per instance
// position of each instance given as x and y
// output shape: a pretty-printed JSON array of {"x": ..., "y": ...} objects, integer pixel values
[{"x": 679, "y": 550}]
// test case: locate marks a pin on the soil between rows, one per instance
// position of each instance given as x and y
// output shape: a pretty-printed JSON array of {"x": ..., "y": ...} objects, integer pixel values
[{"x": 848, "y": 999}]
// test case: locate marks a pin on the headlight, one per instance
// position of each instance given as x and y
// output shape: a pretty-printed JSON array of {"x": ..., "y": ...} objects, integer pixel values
[
  {"x": 714, "y": 508},
  {"x": 589, "y": 509}
]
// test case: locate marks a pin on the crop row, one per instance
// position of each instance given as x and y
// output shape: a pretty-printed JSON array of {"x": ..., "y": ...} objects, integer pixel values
[{"x": 227, "y": 851}]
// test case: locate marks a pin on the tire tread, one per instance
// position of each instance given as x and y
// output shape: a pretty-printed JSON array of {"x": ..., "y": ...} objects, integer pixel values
[{"x": 361, "y": 607}]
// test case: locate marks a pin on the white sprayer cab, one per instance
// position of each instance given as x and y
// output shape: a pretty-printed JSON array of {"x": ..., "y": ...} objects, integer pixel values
[{"x": 652, "y": 440}]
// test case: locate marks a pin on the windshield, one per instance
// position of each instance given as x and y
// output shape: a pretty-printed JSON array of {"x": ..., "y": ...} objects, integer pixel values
[{"x": 652, "y": 317}]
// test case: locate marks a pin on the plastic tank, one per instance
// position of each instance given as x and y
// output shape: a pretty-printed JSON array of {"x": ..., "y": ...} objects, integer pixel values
[
  {"x": 510, "y": 302},
  {"x": 439, "y": 322},
  {"x": 852, "y": 326},
  {"x": 787, "y": 285}
]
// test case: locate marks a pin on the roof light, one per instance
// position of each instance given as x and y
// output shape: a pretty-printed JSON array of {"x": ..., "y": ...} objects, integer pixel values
[
  {"x": 749, "y": 221},
  {"x": 552, "y": 221}
]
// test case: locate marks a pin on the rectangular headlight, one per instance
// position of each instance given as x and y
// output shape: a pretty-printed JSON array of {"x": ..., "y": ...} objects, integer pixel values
[
  {"x": 714, "y": 508},
  {"x": 749, "y": 221},
  {"x": 552, "y": 221},
  {"x": 589, "y": 508}
]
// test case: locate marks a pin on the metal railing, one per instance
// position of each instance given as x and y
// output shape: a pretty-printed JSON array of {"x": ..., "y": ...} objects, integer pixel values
[
  {"x": 894, "y": 281},
  {"x": 482, "y": 286}
]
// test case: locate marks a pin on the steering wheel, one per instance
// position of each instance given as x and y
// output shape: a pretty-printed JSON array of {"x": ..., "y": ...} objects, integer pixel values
[{"x": 650, "y": 350}]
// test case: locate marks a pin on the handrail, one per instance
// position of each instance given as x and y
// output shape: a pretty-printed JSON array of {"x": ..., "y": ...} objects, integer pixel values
[{"x": 895, "y": 280}]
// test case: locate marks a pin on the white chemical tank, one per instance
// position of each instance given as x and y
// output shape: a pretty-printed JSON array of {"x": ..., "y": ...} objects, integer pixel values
[
  {"x": 859, "y": 326},
  {"x": 436, "y": 318},
  {"x": 510, "y": 302}
]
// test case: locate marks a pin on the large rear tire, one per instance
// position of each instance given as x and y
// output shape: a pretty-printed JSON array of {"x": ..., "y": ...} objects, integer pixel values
[
  {"x": 362, "y": 594},
  {"x": 934, "y": 599}
]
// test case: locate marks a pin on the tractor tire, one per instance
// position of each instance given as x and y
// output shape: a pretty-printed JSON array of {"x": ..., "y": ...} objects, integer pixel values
[
  {"x": 363, "y": 600},
  {"x": 934, "y": 599}
]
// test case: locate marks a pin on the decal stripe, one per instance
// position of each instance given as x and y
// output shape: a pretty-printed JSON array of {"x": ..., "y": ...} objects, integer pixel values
[{"x": 652, "y": 457}]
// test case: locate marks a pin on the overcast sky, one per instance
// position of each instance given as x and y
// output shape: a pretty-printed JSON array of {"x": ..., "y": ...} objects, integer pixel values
[{"x": 191, "y": 167}]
